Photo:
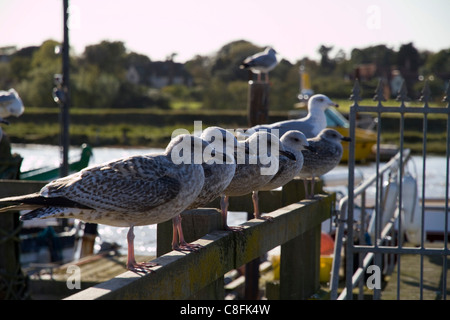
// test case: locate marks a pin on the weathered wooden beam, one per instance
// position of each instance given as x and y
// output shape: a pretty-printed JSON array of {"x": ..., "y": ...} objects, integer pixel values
[
  {"x": 258, "y": 103},
  {"x": 181, "y": 275},
  {"x": 195, "y": 223}
]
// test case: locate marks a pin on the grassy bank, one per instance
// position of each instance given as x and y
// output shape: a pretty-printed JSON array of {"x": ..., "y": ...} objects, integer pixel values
[{"x": 133, "y": 127}]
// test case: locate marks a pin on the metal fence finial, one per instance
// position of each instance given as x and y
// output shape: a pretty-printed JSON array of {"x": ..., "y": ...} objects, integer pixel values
[
  {"x": 403, "y": 93},
  {"x": 356, "y": 92},
  {"x": 379, "y": 92},
  {"x": 426, "y": 93}
]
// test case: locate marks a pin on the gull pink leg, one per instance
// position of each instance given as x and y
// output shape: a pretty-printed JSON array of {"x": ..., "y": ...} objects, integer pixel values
[
  {"x": 131, "y": 261},
  {"x": 224, "y": 210},
  {"x": 305, "y": 183},
  {"x": 181, "y": 244}
]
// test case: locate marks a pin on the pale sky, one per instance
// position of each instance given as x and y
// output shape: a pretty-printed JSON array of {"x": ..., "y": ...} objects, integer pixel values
[{"x": 295, "y": 28}]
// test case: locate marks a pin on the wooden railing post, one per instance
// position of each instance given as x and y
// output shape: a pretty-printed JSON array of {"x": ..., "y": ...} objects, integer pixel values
[
  {"x": 196, "y": 223},
  {"x": 258, "y": 103},
  {"x": 300, "y": 265}
]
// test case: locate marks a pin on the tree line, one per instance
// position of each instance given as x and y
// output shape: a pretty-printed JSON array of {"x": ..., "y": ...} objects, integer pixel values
[{"x": 107, "y": 75}]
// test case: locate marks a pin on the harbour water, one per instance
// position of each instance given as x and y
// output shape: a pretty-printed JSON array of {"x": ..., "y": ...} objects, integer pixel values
[{"x": 36, "y": 156}]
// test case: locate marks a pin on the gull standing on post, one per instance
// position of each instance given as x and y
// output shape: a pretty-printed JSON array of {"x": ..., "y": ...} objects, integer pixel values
[
  {"x": 310, "y": 125},
  {"x": 261, "y": 62},
  {"x": 293, "y": 143},
  {"x": 134, "y": 191},
  {"x": 257, "y": 162},
  {"x": 218, "y": 171},
  {"x": 326, "y": 156}
]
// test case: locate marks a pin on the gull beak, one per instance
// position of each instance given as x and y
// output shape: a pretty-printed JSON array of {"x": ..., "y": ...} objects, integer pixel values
[{"x": 346, "y": 139}]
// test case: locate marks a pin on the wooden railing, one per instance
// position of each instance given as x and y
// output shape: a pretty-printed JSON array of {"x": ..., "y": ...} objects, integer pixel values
[{"x": 296, "y": 226}]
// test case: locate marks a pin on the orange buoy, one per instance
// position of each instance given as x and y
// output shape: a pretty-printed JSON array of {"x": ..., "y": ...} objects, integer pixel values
[{"x": 326, "y": 244}]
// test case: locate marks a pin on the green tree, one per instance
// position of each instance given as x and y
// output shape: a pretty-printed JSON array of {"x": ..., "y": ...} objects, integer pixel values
[
  {"x": 36, "y": 89},
  {"x": 326, "y": 63},
  {"x": 109, "y": 57},
  {"x": 438, "y": 64},
  {"x": 93, "y": 88},
  {"x": 227, "y": 60}
]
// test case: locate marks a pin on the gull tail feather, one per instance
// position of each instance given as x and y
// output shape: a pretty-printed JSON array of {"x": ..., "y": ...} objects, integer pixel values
[{"x": 34, "y": 201}]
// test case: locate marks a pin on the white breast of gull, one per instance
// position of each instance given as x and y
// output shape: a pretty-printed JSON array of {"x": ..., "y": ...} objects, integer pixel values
[
  {"x": 314, "y": 122},
  {"x": 326, "y": 156},
  {"x": 261, "y": 62}
]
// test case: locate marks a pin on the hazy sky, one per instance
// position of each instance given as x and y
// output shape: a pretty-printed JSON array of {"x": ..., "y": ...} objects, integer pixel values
[{"x": 295, "y": 28}]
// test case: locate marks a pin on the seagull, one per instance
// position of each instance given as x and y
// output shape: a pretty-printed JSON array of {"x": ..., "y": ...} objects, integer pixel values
[
  {"x": 293, "y": 143},
  {"x": 326, "y": 155},
  {"x": 257, "y": 163},
  {"x": 314, "y": 122},
  {"x": 10, "y": 104},
  {"x": 129, "y": 192},
  {"x": 261, "y": 62}
]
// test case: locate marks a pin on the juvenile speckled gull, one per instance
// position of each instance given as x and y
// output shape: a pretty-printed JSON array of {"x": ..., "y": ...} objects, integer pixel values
[
  {"x": 220, "y": 170},
  {"x": 290, "y": 163},
  {"x": 261, "y": 62},
  {"x": 134, "y": 191},
  {"x": 254, "y": 169},
  {"x": 326, "y": 156},
  {"x": 314, "y": 122}
]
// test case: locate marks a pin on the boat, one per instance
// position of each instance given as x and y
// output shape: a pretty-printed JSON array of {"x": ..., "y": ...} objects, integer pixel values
[
  {"x": 365, "y": 139},
  {"x": 51, "y": 173}
]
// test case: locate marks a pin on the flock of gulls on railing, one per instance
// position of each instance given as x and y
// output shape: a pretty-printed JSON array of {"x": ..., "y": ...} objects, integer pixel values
[{"x": 191, "y": 172}]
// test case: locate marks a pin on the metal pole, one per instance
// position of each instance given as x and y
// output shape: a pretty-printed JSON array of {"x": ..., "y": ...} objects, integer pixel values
[{"x": 64, "y": 113}]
